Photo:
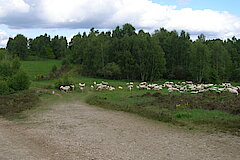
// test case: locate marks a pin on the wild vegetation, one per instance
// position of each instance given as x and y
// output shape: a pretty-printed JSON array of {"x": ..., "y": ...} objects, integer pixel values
[
  {"x": 12, "y": 78},
  {"x": 120, "y": 56},
  {"x": 12, "y": 104},
  {"x": 125, "y": 53}
]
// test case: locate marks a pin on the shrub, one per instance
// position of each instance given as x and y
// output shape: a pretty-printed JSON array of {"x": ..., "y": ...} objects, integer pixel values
[
  {"x": 5, "y": 69},
  {"x": 54, "y": 68},
  {"x": 17, "y": 102},
  {"x": 39, "y": 77},
  {"x": 4, "y": 88},
  {"x": 65, "y": 62},
  {"x": 64, "y": 81},
  {"x": 20, "y": 81},
  {"x": 16, "y": 64}
]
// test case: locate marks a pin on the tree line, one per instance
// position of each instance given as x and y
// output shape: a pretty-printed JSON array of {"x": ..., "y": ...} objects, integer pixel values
[
  {"x": 41, "y": 47},
  {"x": 125, "y": 53}
]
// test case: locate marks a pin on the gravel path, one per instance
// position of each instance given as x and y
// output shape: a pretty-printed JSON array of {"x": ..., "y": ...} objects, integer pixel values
[{"x": 74, "y": 130}]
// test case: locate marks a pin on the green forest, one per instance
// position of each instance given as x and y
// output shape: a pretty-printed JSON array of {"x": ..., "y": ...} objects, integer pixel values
[{"x": 127, "y": 53}]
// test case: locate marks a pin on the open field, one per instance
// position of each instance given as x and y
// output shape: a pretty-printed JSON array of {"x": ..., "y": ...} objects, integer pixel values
[
  {"x": 209, "y": 111},
  {"x": 63, "y": 126},
  {"x": 34, "y": 68}
]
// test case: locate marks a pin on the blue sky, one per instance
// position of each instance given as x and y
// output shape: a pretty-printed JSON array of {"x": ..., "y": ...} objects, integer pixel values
[
  {"x": 214, "y": 18},
  {"x": 232, "y": 6}
]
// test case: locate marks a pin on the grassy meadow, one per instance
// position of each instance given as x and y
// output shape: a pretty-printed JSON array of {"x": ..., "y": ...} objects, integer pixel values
[
  {"x": 208, "y": 111},
  {"x": 34, "y": 68}
]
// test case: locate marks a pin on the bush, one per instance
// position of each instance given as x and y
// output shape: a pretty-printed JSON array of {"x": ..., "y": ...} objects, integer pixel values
[
  {"x": 39, "y": 77},
  {"x": 4, "y": 88},
  {"x": 64, "y": 81},
  {"x": 54, "y": 68},
  {"x": 17, "y": 102},
  {"x": 20, "y": 81},
  {"x": 65, "y": 62}
]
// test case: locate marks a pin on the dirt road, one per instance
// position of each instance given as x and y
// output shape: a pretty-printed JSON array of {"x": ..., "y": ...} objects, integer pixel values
[{"x": 71, "y": 131}]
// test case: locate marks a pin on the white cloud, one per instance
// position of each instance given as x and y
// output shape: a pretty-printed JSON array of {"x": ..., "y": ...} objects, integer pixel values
[
  {"x": 110, "y": 13},
  {"x": 3, "y": 39},
  {"x": 13, "y": 7},
  {"x": 140, "y": 13}
]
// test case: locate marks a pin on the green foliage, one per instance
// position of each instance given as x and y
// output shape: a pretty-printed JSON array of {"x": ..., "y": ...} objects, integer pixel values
[
  {"x": 200, "y": 62},
  {"x": 236, "y": 74},
  {"x": 112, "y": 70},
  {"x": 49, "y": 53},
  {"x": 3, "y": 53},
  {"x": 65, "y": 62},
  {"x": 59, "y": 46},
  {"x": 54, "y": 68},
  {"x": 139, "y": 56},
  {"x": 40, "y": 77},
  {"x": 4, "y": 88},
  {"x": 11, "y": 77},
  {"x": 177, "y": 50},
  {"x": 19, "y": 81},
  {"x": 66, "y": 80},
  {"x": 17, "y": 46},
  {"x": 8, "y": 66}
]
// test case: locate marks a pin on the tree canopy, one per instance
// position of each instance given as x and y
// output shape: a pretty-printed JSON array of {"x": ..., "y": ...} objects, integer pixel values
[{"x": 125, "y": 53}]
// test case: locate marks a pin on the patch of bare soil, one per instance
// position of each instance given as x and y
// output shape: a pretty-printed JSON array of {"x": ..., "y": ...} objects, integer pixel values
[{"x": 75, "y": 130}]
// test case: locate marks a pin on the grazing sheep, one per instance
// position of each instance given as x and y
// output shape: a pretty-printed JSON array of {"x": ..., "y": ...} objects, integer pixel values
[
  {"x": 232, "y": 91},
  {"x": 110, "y": 88},
  {"x": 130, "y": 87},
  {"x": 238, "y": 89},
  {"x": 120, "y": 87},
  {"x": 189, "y": 82},
  {"x": 81, "y": 86},
  {"x": 72, "y": 87},
  {"x": 194, "y": 92},
  {"x": 142, "y": 85},
  {"x": 65, "y": 88},
  {"x": 104, "y": 83},
  {"x": 172, "y": 89}
]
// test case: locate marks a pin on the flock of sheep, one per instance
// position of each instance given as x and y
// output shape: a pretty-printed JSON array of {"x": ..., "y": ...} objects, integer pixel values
[{"x": 187, "y": 86}]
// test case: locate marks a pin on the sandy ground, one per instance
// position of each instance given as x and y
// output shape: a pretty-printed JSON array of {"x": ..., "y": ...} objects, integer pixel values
[{"x": 74, "y": 130}]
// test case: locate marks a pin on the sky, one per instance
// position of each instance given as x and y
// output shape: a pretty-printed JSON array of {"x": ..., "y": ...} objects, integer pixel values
[{"x": 213, "y": 18}]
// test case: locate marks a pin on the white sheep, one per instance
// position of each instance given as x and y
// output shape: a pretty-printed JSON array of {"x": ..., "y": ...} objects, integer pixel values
[
  {"x": 81, "y": 86},
  {"x": 130, "y": 87},
  {"x": 232, "y": 91},
  {"x": 72, "y": 87},
  {"x": 110, "y": 88},
  {"x": 238, "y": 89},
  {"x": 65, "y": 88}
]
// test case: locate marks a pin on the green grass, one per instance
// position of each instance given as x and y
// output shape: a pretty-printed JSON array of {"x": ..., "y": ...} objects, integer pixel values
[
  {"x": 167, "y": 108},
  {"x": 208, "y": 110},
  {"x": 34, "y": 68}
]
